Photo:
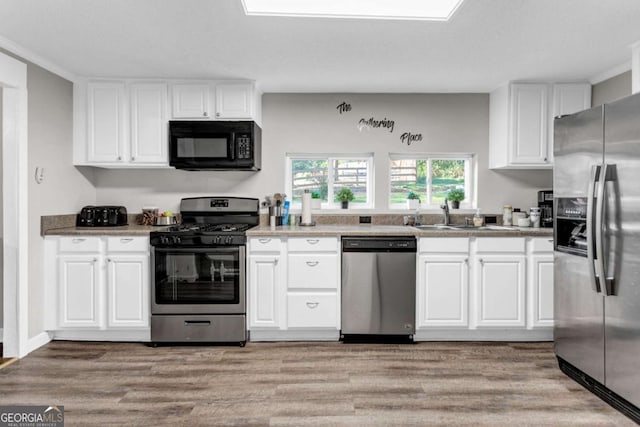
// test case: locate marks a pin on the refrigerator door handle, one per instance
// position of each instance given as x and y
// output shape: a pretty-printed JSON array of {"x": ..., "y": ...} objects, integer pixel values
[
  {"x": 593, "y": 274},
  {"x": 599, "y": 232}
]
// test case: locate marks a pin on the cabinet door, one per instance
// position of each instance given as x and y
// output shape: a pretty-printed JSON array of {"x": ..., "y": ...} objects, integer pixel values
[
  {"x": 190, "y": 101},
  {"x": 541, "y": 282},
  {"x": 568, "y": 98},
  {"x": 442, "y": 292},
  {"x": 80, "y": 291},
  {"x": 529, "y": 117},
  {"x": 265, "y": 291},
  {"x": 128, "y": 290},
  {"x": 234, "y": 101},
  {"x": 149, "y": 123},
  {"x": 499, "y": 290},
  {"x": 105, "y": 122}
]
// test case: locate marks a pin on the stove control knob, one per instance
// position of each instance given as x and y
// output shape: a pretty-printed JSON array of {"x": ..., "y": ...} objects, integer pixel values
[
  {"x": 164, "y": 240},
  {"x": 176, "y": 239},
  {"x": 228, "y": 240}
]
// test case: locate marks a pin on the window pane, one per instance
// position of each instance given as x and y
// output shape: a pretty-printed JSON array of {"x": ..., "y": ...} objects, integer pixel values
[
  {"x": 408, "y": 175},
  {"x": 446, "y": 175},
  {"x": 352, "y": 174},
  {"x": 309, "y": 175}
]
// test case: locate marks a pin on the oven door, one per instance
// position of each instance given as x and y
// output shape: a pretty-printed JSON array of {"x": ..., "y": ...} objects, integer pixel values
[{"x": 207, "y": 280}]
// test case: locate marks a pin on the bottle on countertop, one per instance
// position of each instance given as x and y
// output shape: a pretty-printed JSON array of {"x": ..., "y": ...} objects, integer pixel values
[
  {"x": 507, "y": 215},
  {"x": 478, "y": 220}
]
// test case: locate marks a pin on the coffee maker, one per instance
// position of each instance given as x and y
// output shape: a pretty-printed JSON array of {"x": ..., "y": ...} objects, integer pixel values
[{"x": 545, "y": 203}]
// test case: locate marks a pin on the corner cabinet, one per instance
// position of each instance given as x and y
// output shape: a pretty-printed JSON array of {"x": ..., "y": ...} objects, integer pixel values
[
  {"x": 484, "y": 288},
  {"x": 521, "y": 121},
  {"x": 97, "y": 287},
  {"x": 294, "y": 288}
]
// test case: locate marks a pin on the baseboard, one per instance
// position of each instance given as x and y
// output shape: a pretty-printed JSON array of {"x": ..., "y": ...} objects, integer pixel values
[
  {"x": 309, "y": 335},
  {"x": 545, "y": 334},
  {"x": 135, "y": 335},
  {"x": 36, "y": 342}
]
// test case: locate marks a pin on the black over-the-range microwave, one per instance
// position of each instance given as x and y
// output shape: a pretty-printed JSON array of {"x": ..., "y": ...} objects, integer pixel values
[{"x": 215, "y": 145}]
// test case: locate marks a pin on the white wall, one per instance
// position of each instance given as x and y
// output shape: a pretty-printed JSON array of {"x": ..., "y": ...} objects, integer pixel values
[
  {"x": 65, "y": 188},
  {"x": 1, "y": 227},
  {"x": 312, "y": 123}
]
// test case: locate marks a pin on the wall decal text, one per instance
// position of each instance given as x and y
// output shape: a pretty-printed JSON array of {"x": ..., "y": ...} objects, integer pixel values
[
  {"x": 344, "y": 108},
  {"x": 373, "y": 123},
  {"x": 409, "y": 138}
]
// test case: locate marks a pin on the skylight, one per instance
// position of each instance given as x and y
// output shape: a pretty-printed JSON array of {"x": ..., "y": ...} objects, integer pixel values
[{"x": 430, "y": 10}]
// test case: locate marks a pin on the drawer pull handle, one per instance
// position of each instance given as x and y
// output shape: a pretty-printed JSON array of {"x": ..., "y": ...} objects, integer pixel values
[
  {"x": 550, "y": 240},
  {"x": 264, "y": 240},
  {"x": 312, "y": 263},
  {"x": 126, "y": 240},
  {"x": 312, "y": 305},
  {"x": 197, "y": 322},
  {"x": 78, "y": 240},
  {"x": 312, "y": 241}
]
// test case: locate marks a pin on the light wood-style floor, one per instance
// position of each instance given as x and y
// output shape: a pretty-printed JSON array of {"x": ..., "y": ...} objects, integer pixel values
[{"x": 305, "y": 384}]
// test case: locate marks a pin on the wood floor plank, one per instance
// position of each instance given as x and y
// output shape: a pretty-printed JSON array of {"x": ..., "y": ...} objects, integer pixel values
[{"x": 305, "y": 384}]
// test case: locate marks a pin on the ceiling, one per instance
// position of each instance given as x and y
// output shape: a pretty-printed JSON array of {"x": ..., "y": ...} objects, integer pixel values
[{"x": 486, "y": 43}]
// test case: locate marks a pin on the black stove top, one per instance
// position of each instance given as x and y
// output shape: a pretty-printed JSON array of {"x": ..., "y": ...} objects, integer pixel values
[
  {"x": 208, "y": 228},
  {"x": 210, "y": 221}
]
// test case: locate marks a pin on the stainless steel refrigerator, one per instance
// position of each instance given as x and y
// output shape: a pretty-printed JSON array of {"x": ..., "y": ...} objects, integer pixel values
[{"x": 597, "y": 250}]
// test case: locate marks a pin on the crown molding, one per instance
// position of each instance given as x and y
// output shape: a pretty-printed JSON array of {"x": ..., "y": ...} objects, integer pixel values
[{"x": 25, "y": 54}]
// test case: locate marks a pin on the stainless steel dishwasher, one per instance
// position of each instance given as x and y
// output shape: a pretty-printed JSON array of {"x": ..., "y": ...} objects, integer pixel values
[{"x": 378, "y": 287}]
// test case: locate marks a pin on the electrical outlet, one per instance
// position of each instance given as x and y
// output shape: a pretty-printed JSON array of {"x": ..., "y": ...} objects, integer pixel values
[{"x": 365, "y": 220}]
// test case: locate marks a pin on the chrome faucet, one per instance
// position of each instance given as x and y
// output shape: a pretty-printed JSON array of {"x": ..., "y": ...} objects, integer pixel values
[{"x": 445, "y": 212}]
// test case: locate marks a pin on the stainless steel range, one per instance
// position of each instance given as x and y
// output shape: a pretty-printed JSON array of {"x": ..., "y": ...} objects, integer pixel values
[{"x": 198, "y": 272}]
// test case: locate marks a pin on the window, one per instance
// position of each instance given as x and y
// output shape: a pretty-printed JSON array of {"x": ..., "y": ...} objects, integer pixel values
[
  {"x": 431, "y": 177},
  {"x": 326, "y": 174}
]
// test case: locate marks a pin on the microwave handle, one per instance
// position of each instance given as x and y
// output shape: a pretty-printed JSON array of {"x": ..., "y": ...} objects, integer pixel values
[{"x": 232, "y": 146}]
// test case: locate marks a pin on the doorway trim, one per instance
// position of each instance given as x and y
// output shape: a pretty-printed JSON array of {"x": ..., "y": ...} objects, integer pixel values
[{"x": 13, "y": 79}]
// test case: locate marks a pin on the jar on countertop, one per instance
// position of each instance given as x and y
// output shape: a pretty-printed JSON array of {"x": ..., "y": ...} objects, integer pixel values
[
  {"x": 507, "y": 215},
  {"x": 534, "y": 214}
]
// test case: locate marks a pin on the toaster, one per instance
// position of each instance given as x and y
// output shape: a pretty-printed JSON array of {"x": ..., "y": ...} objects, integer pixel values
[{"x": 102, "y": 216}]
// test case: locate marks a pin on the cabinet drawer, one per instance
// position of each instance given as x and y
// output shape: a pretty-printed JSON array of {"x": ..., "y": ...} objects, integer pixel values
[
  {"x": 540, "y": 244},
  {"x": 313, "y": 244},
  {"x": 79, "y": 244},
  {"x": 309, "y": 310},
  {"x": 500, "y": 244},
  {"x": 444, "y": 244},
  {"x": 127, "y": 244},
  {"x": 264, "y": 244},
  {"x": 313, "y": 271}
]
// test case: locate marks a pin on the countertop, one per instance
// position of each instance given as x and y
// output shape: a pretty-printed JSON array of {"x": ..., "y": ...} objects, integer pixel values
[
  {"x": 392, "y": 230},
  {"x": 318, "y": 230},
  {"x": 126, "y": 230}
]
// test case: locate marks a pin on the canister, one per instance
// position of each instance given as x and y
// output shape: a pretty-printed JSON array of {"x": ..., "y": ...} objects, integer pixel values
[{"x": 507, "y": 215}]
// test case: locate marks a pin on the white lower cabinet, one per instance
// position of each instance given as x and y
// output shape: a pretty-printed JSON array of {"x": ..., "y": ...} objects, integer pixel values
[
  {"x": 443, "y": 283},
  {"x": 97, "y": 287},
  {"x": 294, "y": 288},
  {"x": 485, "y": 288},
  {"x": 264, "y": 293},
  {"x": 128, "y": 290},
  {"x": 79, "y": 291}
]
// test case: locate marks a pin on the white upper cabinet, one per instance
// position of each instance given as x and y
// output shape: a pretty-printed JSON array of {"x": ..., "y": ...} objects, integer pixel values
[
  {"x": 149, "y": 142},
  {"x": 191, "y": 101},
  {"x": 521, "y": 121},
  {"x": 105, "y": 122},
  {"x": 124, "y": 123},
  {"x": 235, "y": 100}
]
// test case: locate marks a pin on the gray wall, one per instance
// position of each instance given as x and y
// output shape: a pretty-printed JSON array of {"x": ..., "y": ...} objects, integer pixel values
[
  {"x": 65, "y": 188},
  {"x": 302, "y": 123},
  {"x": 611, "y": 89}
]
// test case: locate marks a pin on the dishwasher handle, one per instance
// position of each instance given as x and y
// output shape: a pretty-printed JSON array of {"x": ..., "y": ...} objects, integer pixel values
[{"x": 379, "y": 244}]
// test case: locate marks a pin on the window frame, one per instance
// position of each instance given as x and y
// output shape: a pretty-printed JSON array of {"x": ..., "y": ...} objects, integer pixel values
[
  {"x": 469, "y": 177},
  {"x": 367, "y": 157}
]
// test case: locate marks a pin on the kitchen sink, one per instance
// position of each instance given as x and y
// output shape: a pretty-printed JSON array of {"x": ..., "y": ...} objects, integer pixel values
[{"x": 463, "y": 227}]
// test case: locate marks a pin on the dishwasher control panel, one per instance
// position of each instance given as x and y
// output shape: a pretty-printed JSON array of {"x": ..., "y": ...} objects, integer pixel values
[{"x": 380, "y": 243}]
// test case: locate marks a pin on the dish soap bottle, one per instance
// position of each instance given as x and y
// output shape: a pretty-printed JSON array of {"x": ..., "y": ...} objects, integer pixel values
[{"x": 478, "y": 220}]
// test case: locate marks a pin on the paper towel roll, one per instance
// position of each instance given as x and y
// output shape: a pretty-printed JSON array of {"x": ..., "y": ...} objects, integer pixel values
[{"x": 306, "y": 207}]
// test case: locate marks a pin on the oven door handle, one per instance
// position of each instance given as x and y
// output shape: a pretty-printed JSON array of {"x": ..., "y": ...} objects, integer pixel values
[{"x": 217, "y": 249}]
